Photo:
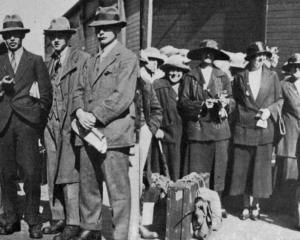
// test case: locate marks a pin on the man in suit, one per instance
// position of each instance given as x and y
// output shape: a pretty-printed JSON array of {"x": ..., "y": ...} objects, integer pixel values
[
  {"x": 62, "y": 168},
  {"x": 23, "y": 111},
  {"x": 104, "y": 100}
]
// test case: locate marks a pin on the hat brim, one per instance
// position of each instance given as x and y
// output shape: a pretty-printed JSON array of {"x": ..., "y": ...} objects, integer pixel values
[
  {"x": 50, "y": 31},
  {"x": 218, "y": 55},
  {"x": 267, "y": 53},
  {"x": 107, "y": 23},
  {"x": 287, "y": 67},
  {"x": 167, "y": 66},
  {"x": 14, "y": 29}
]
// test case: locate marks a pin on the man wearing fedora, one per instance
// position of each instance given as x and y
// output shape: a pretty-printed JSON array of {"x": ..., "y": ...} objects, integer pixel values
[
  {"x": 62, "y": 168},
  {"x": 23, "y": 114},
  {"x": 206, "y": 101},
  {"x": 104, "y": 100},
  {"x": 258, "y": 97}
]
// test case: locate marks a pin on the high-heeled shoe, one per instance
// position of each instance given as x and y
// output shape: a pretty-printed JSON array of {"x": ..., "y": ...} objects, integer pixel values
[{"x": 245, "y": 214}]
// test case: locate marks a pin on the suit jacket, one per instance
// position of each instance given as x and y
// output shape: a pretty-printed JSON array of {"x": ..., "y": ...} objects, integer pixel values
[
  {"x": 269, "y": 96},
  {"x": 107, "y": 90},
  {"x": 31, "y": 68},
  {"x": 204, "y": 124},
  {"x": 65, "y": 171},
  {"x": 146, "y": 101}
]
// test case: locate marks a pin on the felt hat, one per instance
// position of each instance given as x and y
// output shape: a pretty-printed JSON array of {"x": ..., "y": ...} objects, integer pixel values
[
  {"x": 13, "y": 23},
  {"x": 60, "y": 24},
  {"x": 107, "y": 16},
  {"x": 176, "y": 61},
  {"x": 294, "y": 60},
  {"x": 208, "y": 45},
  {"x": 255, "y": 49},
  {"x": 152, "y": 52}
]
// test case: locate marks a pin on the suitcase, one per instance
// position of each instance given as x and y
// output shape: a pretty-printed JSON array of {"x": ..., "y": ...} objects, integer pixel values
[{"x": 180, "y": 205}]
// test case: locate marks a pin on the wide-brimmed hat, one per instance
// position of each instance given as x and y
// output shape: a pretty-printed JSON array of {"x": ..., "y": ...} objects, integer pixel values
[
  {"x": 176, "y": 61},
  {"x": 106, "y": 16},
  {"x": 208, "y": 45},
  {"x": 13, "y": 23},
  {"x": 60, "y": 24},
  {"x": 152, "y": 52},
  {"x": 255, "y": 49},
  {"x": 294, "y": 60}
]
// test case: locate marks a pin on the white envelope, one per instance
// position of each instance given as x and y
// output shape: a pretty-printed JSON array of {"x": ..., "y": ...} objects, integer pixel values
[{"x": 93, "y": 137}]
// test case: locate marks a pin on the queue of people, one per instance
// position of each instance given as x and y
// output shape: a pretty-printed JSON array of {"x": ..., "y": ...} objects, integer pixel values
[{"x": 184, "y": 117}]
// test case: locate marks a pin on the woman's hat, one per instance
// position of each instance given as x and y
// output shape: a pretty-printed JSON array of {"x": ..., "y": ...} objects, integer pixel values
[
  {"x": 60, "y": 24},
  {"x": 13, "y": 23},
  {"x": 107, "y": 16},
  {"x": 152, "y": 52},
  {"x": 255, "y": 49},
  {"x": 207, "y": 45},
  {"x": 176, "y": 61},
  {"x": 294, "y": 60}
]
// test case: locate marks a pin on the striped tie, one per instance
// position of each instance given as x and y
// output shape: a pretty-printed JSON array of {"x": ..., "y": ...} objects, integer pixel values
[{"x": 13, "y": 62}]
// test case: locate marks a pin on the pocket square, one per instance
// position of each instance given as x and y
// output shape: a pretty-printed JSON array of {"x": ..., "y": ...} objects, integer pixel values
[
  {"x": 93, "y": 137},
  {"x": 34, "y": 90}
]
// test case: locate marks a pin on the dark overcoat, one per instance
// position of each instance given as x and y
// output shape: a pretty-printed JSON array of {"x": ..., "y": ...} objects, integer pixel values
[
  {"x": 108, "y": 92},
  {"x": 172, "y": 128},
  {"x": 31, "y": 69},
  {"x": 63, "y": 169},
  {"x": 269, "y": 96},
  {"x": 203, "y": 125},
  {"x": 288, "y": 145}
]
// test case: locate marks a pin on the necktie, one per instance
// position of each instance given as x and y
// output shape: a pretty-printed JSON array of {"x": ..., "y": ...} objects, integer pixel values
[
  {"x": 13, "y": 62},
  {"x": 57, "y": 64}
]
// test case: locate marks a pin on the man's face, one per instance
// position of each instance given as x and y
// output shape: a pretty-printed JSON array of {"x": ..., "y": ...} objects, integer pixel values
[
  {"x": 13, "y": 40},
  {"x": 59, "y": 41},
  {"x": 207, "y": 57},
  {"x": 107, "y": 34},
  {"x": 257, "y": 61},
  {"x": 152, "y": 64}
]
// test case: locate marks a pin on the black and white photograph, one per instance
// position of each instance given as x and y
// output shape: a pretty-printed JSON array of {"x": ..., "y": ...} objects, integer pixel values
[{"x": 150, "y": 119}]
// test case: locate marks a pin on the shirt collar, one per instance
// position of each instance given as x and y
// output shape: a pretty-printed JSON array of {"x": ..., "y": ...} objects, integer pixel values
[
  {"x": 105, "y": 51},
  {"x": 18, "y": 53},
  {"x": 62, "y": 54}
]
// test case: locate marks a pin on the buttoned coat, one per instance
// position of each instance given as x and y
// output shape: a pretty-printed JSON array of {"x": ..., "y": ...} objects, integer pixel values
[
  {"x": 31, "y": 69},
  {"x": 107, "y": 90},
  {"x": 288, "y": 145},
  {"x": 269, "y": 96},
  {"x": 203, "y": 124},
  {"x": 64, "y": 168}
]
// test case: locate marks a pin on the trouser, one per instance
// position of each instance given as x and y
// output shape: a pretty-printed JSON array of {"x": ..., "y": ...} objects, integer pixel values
[
  {"x": 113, "y": 168},
  {"x": 63, "y": 198},
  {"x": 19, "y": 147}
]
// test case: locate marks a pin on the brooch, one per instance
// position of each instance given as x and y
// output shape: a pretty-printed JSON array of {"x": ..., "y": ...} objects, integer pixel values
[{"x": 247, "y": 93}]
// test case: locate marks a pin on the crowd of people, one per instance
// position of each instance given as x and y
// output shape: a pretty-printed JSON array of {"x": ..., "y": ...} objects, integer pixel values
[{"x": 183, "y": 110}]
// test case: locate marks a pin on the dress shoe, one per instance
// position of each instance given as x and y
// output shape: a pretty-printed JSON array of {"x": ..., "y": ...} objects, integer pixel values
[
  {"x": 56, "y": 226},
  {"x": 69, "y": 232},
  {"x": 35, "y": 231},
  {"x": 88, "y": 235},
  {"x": 10, "y": 228},
  {"x": 147, "y": 234}
]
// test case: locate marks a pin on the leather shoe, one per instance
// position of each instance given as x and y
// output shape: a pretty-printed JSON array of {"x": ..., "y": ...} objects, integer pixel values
[
  {"x": 35, "y": 231},
  {"x": 69, "y": 232},
  {"x": 56, "y": 226},
  {"x": 10, "y": 228},
  {"x": 88, "y": 235}
]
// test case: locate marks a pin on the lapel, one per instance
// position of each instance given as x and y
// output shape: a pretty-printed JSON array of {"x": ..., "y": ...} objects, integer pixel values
[
  {"x": 248, "y": 92},
  {"x": 264, "y": 87},
  {"x": 23, "y": 65},
  {"x": 7, "y": 69},
  {"x": 68, "y": 64},
  {"x": 106, "y": 61}
]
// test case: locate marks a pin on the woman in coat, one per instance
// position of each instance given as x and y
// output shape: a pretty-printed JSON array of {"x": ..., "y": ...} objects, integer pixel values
[
  {"x": 170, "y": 132},
  {"x": 257, "y": 93},
  {"x": 205, "y": 103},
  {"x": 288, "y": 148}
]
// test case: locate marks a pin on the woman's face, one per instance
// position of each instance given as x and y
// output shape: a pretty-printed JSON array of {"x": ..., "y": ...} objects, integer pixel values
[
  {"x": 207, "y": 57},
  {"x": 295, "y": 71},
  {"x": 152, "y": 64},
  {"x": 257, "y": 61},
  {"x": 175, "y": 75}
]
